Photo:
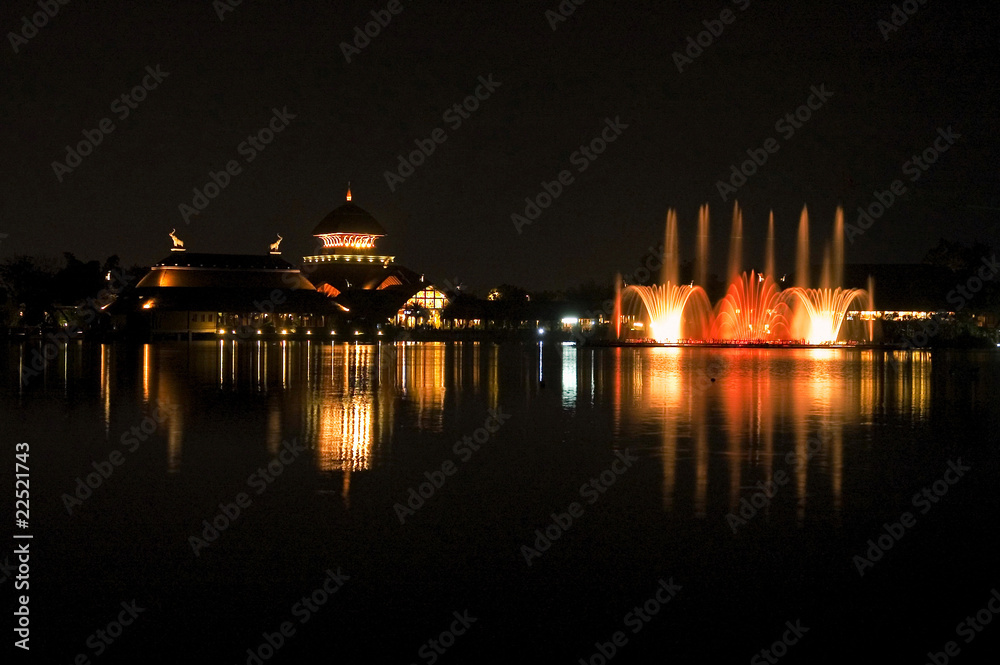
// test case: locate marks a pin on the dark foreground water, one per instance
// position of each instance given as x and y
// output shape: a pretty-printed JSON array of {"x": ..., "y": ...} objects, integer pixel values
[{"x": 656, "y": 505}]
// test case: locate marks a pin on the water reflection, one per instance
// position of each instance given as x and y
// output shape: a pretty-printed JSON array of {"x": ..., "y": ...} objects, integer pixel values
[
  {"x": 341, "y": 410},
  {"x": 569, "y": 375},
  {"x": 421, "y": 376},
  {"x": 742, "y": 401},
  {"x": 718, "y": 420}
]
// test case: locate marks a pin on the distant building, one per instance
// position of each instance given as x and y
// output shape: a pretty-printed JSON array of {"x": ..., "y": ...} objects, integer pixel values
[
  {"x": 424, "y": 308},
  {"x": 346, "y": 282},
  {"x": 371, "y": 287},
  {"x": 190, "y": 293}
]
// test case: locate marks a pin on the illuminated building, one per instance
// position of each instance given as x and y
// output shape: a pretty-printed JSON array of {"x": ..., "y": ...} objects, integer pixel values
[
  {"x": 191, "y": 294},
  {"x": 423, "y": 309},
  {"x": 371, "y": 286},
  {"x": 347, "y": 281}
]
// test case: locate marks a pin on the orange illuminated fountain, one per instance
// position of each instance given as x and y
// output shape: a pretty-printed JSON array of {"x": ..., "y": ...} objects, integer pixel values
[
  {"x": 820, "y": 313},
  {"x": 666, "y": 304},
  {"x": 754, "y": 310},
  {"x": 825, "y": 310}
]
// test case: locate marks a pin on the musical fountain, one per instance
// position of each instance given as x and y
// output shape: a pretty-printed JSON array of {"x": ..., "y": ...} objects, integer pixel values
[
  {"x": 755, "y": 309},
  {"x": 666, "y": 303}
]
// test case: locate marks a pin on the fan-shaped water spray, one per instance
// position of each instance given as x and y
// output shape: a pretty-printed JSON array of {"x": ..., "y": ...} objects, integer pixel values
[
  {"x": 753, "y": 310},
  {"x": 825, "y": 310},
  {"x": 665, "y": 306}
]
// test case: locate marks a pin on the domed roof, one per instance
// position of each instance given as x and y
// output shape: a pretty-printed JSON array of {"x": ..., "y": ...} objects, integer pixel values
[{"x": 349, "y": 218}]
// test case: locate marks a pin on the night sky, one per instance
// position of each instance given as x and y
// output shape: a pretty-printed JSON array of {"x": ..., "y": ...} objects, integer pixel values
[{"x": 452, "y": 217}]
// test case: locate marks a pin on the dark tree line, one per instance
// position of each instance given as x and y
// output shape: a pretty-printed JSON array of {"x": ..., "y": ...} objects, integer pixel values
[{"x": 33, "y": 291}]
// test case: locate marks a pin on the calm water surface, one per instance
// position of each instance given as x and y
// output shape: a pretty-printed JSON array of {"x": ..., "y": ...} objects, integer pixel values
[{"x": 840, "y": 439}]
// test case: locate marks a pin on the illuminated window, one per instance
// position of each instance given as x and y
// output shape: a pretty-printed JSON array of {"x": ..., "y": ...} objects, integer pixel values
[{"x": 428, "y": 298}]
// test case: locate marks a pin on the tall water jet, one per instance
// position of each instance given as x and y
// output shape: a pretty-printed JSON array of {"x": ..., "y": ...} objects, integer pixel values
[
  {"x": 819, "y": 313},
  {"x": 665, "y": 303},
  {"x": 837, "y": 249},
  {"x": 824, "y": 275},
  {"x": 618, "y": 306},
  {"x": 671, "y": 258},
  {"x": 871, "y": 308},
  {"x": 802, "y": 252},
  {"x": 701, "y": 259},
  {"x": 735, "y": 244},
  {"x": 769, "y": 247}
]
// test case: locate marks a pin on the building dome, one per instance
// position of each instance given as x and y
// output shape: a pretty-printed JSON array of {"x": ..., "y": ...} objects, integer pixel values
[{"x": 349, "y": 218}]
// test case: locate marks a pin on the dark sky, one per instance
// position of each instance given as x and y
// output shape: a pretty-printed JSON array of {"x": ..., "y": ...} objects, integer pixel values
[{"x": 452, "y": 216}]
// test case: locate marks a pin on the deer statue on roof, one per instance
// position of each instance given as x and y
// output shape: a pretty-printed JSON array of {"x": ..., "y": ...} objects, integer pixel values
[{"x": 178, "y": 243}]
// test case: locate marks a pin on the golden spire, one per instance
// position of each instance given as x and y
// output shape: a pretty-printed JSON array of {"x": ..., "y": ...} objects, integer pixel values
[{"x": 348, "y": 190}]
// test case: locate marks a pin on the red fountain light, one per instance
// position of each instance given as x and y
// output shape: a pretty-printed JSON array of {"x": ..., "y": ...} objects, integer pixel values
[{"x": 753, "y": 310}]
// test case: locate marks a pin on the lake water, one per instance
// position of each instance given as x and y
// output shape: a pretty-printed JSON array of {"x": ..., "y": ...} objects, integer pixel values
[{"x": 484, "y": 503}]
